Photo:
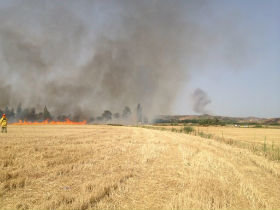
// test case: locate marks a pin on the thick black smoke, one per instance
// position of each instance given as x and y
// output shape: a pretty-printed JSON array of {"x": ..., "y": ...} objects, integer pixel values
[
  {"x": 200, "y": 101},
  {"x": 83, "y": 57}
]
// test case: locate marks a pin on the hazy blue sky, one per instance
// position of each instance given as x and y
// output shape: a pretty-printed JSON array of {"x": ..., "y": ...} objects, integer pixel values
[
  {"x": 241, "y": 80},
  {"x": 253, "y": 88}
]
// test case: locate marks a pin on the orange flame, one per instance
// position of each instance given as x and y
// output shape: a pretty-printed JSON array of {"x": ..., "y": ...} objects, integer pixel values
[{"x": 46, "y": 122}]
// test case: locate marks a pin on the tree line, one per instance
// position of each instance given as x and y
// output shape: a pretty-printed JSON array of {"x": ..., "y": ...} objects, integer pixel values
[
  {"x": 203, "y": 122},
  {"x": 31, "y": 114},
  {"x": 212, "y": 121}
]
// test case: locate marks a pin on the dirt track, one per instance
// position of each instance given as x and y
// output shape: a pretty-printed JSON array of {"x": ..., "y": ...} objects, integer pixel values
[{"x": 108, "y": 167}]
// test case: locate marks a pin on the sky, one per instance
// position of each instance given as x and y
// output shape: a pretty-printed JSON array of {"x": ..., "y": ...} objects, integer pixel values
[
  {"x": 234, "y": 55},
  {"x": 251, "y": 89}
]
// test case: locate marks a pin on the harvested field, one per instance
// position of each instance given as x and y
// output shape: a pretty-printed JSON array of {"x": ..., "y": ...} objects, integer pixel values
[
  {"x": 261, "y": 141},
  {"x": 116, "y": 167},
  {"x": 254, "y": 135}
]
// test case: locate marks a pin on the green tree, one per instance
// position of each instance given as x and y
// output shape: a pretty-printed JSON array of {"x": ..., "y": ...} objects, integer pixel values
[
  {"x": 107, "y": 115},
  {"x": 126, "y": 112},
  {"x": 139, "y": 113},
  {"x": 46, "y": 114},
  {"x": 19, "y": 112}
]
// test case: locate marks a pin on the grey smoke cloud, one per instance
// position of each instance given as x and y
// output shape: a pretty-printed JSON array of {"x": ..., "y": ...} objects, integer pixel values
[
  {"x": 91, "y": 56},
  {"x": 200, "y": 101}
]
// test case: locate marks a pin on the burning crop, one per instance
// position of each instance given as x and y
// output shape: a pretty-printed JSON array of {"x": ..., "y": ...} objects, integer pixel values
[{"x": 47, "y": 122}]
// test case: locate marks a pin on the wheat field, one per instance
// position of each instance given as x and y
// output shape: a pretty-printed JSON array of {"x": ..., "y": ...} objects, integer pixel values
[
  {"x": 252, "y": 135},
  {"x": 115, "y": 167}
]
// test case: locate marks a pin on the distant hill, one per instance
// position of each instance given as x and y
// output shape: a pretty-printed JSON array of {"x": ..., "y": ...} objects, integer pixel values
[{"x": 223, "y": 119}]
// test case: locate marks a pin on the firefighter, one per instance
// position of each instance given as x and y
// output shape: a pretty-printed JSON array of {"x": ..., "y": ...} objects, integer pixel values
[{"x": 4, "y": 123}]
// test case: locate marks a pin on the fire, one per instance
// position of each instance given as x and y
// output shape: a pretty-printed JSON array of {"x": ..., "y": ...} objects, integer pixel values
[{"x": 47, "y": 122}]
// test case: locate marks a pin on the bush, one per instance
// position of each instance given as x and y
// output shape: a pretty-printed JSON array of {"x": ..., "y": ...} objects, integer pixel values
[
  {"x": 173, "y": 129},
  {"x": 188, "y": 129}
]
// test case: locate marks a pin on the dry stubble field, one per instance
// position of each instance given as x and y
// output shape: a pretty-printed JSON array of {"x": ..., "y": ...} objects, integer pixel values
[
  {"x": 250, "y": 135},
  {"x": 109, "y": 167}
]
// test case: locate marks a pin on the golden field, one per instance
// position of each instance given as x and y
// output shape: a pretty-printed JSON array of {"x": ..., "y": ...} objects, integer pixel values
[
  {"x": 261, "y": 141},
  {"x": 252, "y": 135},
  {"x": 116, "y": 167}
]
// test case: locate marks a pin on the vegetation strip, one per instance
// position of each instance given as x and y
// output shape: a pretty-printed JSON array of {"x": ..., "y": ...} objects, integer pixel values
[{"x": 271, "y": 152}]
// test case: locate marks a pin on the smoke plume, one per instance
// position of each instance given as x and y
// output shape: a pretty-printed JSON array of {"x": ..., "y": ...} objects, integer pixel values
[
  {"x": 84, "y": 57},
  {"x": 200, "y": 101}
]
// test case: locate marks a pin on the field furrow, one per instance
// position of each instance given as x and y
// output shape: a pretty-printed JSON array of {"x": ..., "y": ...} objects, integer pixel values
[{"x": 117, "y": 167}]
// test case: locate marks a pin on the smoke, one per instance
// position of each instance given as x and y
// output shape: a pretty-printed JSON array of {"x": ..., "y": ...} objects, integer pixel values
[
  {"x": 200, "y": 101},
  {"x": 92, "y": 56}
]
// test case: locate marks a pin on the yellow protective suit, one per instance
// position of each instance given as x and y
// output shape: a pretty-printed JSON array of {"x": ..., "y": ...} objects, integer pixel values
[{"x": 4, "y": 123}]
